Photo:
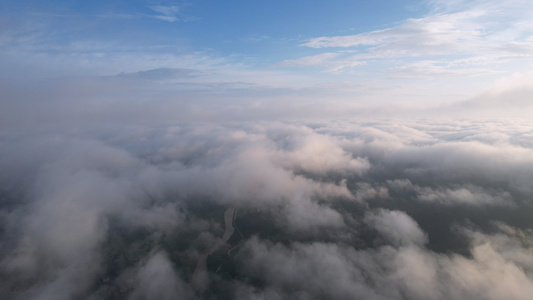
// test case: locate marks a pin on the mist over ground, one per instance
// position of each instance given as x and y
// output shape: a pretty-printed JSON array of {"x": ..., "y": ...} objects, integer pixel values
[{"x": 344, "y": 209}]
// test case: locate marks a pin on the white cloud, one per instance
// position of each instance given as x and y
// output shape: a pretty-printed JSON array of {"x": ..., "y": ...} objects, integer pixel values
[
  {"x": 434, "y": 69},
  {"x": 310, "y": 60},
  {"x": 167, "y": 13},
  {"x": 458, "y": 35},
  {"x": 469, "y": 195},
  {"x": 397, "y": 227},
  {"x": 433, "y": 35},
  {"x": 156, "y": 279},
  {"x": 323, "y": 270},
  {"x": 83, "y": 191},
  {"x": 319, "y": 154}
]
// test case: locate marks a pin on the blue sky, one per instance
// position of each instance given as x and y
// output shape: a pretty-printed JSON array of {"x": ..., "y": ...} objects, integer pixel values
[
  {"x": 274, "y": 56},
  {"x": 265, "y": 31}
]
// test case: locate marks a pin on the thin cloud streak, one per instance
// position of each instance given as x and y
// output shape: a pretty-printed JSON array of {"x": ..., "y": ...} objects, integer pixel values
[{"x": 477, "y": 35}]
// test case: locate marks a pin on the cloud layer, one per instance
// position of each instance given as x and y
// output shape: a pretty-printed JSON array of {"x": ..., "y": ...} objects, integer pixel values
[{"x": 337, "y": 210}]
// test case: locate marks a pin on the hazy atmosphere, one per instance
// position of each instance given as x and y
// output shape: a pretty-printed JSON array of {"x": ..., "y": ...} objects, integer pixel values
[{"x": 266, "y": 149}]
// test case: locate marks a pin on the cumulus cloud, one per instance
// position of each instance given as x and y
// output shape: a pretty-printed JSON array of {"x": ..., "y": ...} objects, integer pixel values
[
  {"x": 457, "y": 195},
  {"x": 397, "y": 227},
  {"x": 407, "y": 270},
  {"x": 316, "y": 153},
  {"x": 468, "y": 195},
  {"x": 156, "y": 279}
]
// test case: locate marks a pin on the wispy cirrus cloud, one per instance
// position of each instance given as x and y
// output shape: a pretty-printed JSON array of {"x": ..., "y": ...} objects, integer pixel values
[
  {"x": 433, "y": 35},
  {"x": 459, "y": 36},
  {"x": 325, "y": 60},
  {"x": 166, "y": 12},
  {"x": 310, "y": 60}
]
